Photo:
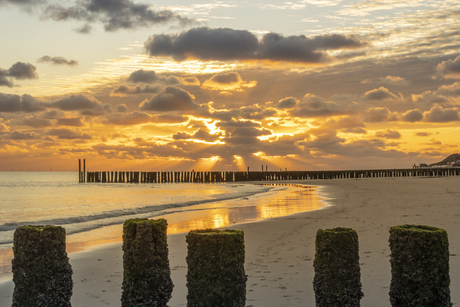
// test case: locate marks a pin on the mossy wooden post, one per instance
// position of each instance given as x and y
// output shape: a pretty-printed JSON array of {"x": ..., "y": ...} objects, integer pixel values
[
  {"x": 419, "y": 266},
  {"x": 146, "y": 273},
  {"x": 42, "y": 274},
  {"x": 216, "y": 275},
  {"x": 337, "y": 280}
]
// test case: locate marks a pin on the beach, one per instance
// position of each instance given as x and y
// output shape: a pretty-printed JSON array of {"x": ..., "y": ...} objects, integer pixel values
[{"x": 280, "y": 250}]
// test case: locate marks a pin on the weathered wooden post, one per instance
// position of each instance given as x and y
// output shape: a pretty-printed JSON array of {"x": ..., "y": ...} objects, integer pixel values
[
  {"x": 42, "y": 274},
  {"x": 419, "y": 266},
  {"x": 216, "y": 275},
  {"x": 337, "y": 280},
  {"x": 146, "y": 273},
  {"x": 79, "y": 170}
]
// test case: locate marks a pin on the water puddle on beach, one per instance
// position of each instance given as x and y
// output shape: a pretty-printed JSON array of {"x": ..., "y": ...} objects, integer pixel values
[{"x": 285, "y": 199}]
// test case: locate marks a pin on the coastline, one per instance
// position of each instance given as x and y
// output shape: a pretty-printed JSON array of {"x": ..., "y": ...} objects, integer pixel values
[{"x": 280, "y": 250}]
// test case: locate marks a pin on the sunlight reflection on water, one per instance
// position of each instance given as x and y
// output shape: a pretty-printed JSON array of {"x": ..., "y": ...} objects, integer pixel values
[{"x": 293, "y": 199}]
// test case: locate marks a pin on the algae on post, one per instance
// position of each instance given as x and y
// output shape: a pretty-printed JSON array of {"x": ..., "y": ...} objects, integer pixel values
[
  {"x": 42, "y": 274},
  {"x": 337, "y": 280},
  {"x": 419, "y": 266},
  {"x": 216, "y": 275}
]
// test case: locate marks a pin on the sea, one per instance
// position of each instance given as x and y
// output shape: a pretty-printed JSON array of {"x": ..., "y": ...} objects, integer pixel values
[{"x": 93, "y": 213}]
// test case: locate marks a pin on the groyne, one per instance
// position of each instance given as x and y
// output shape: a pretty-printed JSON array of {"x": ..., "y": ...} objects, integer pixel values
[{"x": 233, "y": 176}]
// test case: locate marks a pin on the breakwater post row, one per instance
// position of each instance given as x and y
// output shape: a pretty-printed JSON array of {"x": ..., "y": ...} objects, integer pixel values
[
  {"x": 215, "y": 260},
  {"x": 208, "y": 177}
]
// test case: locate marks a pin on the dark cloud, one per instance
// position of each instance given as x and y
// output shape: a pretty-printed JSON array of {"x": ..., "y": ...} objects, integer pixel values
[
  {"x": 57, "y": 60},
  {"x": 20, "y": 2},
  {"x": 314, "y": 106},
  {"x": 172, "y": 99},
  {"x": 18, "y": 71},
  {"x": 191, "y": 81},
  {"x": 388, "y": 134},
  {"x": 26, "y": 135},
  {"x": 16, "y": 103},
  {"x": 287, "y": 103},
  {"x": 124, "y": 90},
  {"x": 439, "y": 115},
  {"x": 228, "y": 44},
  {"x": 37, "y": 122},
  {"x": 378, "y": 114},
  {"x": 423, "y": 134},
  {"x": 134, "y": 118},
  {"x": 143, "y": 76},
  {"x": 200, "y": 134},
  {"x": 77, "y": 103},
  {"x": 412, "y": 116},
  {"x": 70, "y": 121},
  {"x": 113, "y": 14},
  {"x": 122, "y": 108},
  {"x": 256, "y": 112},
  {"x": 169, "y": 119},
  {"x": 226, "y": 78},
  {"x": 449, "y": 69},
  {"x": 21, "y": 70},
  {"x": 67, "y": 134}
]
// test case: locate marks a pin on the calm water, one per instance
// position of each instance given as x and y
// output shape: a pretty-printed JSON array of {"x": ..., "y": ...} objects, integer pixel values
[{"x": 92, "y": 213}]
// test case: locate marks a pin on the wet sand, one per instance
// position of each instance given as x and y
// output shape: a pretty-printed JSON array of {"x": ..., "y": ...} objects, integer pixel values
[{"x": 280, "y": 250}]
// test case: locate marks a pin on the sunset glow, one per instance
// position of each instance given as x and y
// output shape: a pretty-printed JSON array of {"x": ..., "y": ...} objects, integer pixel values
[{"x": 306, "y": 85}]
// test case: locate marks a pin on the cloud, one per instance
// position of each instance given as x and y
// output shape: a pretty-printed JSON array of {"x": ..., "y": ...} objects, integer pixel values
[
  {"x": 449, "y": 90},
  {"x": 287, "y": 103},
  {"x": 77, "y": 103},
  {"x": 16, "y": 103},
  {"x": 449, "y": 69},
  {"x": 124, "y": 90},
  {"x": 423, "y": 134},
  {"x": 171, "y": 99},
  {"x": 314, "y": 106},
  {"x": 122, "y": 108},
  {"x": 388, "y": 134},
  {"x": 379, "y": 114},
  {"x": 67, "y": 134},
  {"x": 26, "y": 135},
  {"x": 412, "y": 116},
  {"x": 379, "y": 94},
  {"x": 389, "y": 80},
  {"x": 37, "y": 122},
  {"x": 229, "y": 81},
  {"x": 113, "y": 14},
  {"x": 193, "y": 81},
  {"x": 18, "y": 71},
  {"x": 169, "y": 119},
  {"x": 201, "y": 134},
  {"x": 224, "y": 44},
  {"x": 439, "y": 115},
  {"x": 143, "y": 76},
  {"x": 70, "y": 121},
  {"x": 57, "y": 60},
  {"x": 134, "y": 118}
]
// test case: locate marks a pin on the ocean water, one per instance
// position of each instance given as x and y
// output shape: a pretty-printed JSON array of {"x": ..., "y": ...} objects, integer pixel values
[{"x": 92, "y": 213}]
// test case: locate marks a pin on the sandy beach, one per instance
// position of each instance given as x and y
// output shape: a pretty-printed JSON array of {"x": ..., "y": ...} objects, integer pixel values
[{"x": 280, "y": 251}]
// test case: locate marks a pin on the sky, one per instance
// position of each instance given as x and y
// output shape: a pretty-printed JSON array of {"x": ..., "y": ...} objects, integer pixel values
[{"x": 226, "y": 85}]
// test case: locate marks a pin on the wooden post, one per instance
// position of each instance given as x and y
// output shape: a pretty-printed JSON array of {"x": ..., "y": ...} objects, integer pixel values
[
  {"x": 79, "y": 170},
  {"x": 41, "y": 270},
  {"x": 419, "y": 266},
  {"x": 216, "y": 275}
]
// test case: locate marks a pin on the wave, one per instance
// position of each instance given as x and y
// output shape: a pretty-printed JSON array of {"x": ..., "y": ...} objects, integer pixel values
[{"x": 103, "y": 219}]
